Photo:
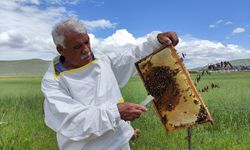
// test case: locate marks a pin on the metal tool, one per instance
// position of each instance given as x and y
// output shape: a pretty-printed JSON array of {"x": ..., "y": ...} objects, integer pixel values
[{"x": 147, "y": 100}]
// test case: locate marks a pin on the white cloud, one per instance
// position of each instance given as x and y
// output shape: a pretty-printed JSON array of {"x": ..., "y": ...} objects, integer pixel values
[
  {"x": 25, "y": 34},
  {"x": 36, "y": 2},
  {"x": 101, "y": 23},
  {"x": 61, "y": 2},
  {"x": 199, "y": 52},
  {"x": 121, "y": 39},
  {"x": 25, "y": 29},
  {"x": 219, "y": 21},
  {"x": 211, "y": 26},
  {"x": 55, "y": 2},
  {"x": 248, "y": 25},
  {"x": 202, "y": 52},
  {"x": 238, "y": 30},
  {"x": 97, "y": 3},
  {"x": 228, "y": 22}
]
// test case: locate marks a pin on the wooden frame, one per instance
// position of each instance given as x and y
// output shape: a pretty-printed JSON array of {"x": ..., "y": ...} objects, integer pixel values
[{"x": 176, "y": 100}]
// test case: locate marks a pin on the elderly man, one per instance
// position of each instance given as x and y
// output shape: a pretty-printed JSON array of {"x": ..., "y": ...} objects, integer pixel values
[{"x": 83, "y": 103}]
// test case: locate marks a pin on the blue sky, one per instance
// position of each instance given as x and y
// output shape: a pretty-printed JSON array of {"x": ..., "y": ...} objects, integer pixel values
[
  {"x": 191, "y": 17},
  {"x": 209, "y": 31}
]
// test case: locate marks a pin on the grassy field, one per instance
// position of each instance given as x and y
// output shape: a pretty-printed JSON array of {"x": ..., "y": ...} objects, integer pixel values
[
  {"x": 22, "y": 126},
  {"x": 30, "y": 67},
  {"x": 21, "y": 114}
]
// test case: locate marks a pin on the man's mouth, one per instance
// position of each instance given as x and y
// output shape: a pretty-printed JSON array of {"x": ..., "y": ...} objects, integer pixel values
[{"x": 85, "y": 56}]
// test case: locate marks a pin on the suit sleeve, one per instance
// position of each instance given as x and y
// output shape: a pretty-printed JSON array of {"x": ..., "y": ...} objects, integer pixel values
[
  {"x": 123, "y": 61},
  {"x": 74, "y": 120}
]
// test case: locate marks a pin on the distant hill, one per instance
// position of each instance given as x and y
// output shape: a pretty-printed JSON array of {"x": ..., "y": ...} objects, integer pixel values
[
  {"x": 32, "y": 67},
  {"x": 237, "y": 62},
  {"x": 37, "y": 67},
  {"x": 243, "y": 62}
]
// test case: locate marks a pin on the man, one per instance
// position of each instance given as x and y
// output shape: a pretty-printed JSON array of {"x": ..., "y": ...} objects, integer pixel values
[{"x": 83, "y": 103}]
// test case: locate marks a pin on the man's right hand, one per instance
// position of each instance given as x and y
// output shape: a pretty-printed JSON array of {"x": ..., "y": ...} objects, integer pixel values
[{"x": 130, "y": 111}]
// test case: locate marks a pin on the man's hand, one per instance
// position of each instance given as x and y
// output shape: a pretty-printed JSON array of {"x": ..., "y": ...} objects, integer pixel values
[
  {"x": 130, "y": 111},
  {"x": 168, "y": 38}
]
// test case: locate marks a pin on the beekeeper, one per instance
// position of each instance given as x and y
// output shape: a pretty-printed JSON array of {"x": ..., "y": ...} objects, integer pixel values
[{"x": 83, "y": 102}]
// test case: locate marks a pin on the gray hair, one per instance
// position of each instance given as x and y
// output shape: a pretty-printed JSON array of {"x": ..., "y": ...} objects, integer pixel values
[{"x": 69, "y": 24}]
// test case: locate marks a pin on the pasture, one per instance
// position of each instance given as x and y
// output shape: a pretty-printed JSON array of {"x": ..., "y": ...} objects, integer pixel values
[{"x": 22, "y": 125}]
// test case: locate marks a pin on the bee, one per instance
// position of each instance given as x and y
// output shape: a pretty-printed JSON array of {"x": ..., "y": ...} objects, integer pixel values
[
  {"x": 164, "y": 119},
  {"x": 196, "y": 102},
  {"x": 215, "y": 85},
  {"x": 203, "y": 72},
  {"x": 183, "y": 55},
  {"x": 205, "y": 89},
  {"x": 198, "y": 78}
]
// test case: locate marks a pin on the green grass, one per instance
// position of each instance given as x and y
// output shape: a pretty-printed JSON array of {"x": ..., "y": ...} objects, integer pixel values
[
  {"x": 228, "y": 105},
  {"x": 22, "y": 113},
  {"x": 22, "y": 127},
  {"x": 31, "y": 67}
]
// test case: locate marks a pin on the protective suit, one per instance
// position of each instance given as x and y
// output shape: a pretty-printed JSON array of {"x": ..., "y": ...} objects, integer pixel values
[{"x": 81, "y": 104}]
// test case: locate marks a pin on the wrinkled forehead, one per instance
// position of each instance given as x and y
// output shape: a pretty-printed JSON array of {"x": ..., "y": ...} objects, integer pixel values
[
  {"x": 74, "y": 34},
  {"x": 71, "y": 38}
]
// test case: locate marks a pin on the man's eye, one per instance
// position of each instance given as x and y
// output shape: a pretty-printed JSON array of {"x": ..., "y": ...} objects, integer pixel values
[
  {"x": 87, "y": 42},
  {"x": 78, "y": 46}
]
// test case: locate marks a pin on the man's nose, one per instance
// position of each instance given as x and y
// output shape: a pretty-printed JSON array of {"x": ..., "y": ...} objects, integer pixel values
[
  {"x": 85, "y": 49},
  {"x": 86, "y": 46}
]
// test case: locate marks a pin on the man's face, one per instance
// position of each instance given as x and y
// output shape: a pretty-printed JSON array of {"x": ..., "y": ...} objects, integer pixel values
[{"x": 77, "y": 51}]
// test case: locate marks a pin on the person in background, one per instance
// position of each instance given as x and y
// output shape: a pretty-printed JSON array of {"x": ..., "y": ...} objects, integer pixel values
[{"x": 83, "y": 102}]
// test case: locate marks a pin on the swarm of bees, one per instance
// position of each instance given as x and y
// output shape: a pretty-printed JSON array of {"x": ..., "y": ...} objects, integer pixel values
[
  {"x": 159, "y": 82},
  {"x": 202, "y": 115},
  {"x": 211, "y": 67},
  {"x": 159, "y": 79}
]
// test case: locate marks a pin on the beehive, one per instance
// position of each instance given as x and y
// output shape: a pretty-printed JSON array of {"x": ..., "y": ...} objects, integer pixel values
[{"x": 176, "y": 99}]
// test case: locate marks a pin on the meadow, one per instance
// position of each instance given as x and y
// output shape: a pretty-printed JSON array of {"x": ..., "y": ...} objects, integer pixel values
[{"x": 22, "y": 126}]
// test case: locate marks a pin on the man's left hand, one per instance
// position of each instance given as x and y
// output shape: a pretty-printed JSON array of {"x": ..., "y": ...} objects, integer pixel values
[{"x": 168, "y": 38}]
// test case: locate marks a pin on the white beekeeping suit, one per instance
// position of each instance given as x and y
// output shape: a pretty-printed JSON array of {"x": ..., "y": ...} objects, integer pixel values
[{"x": 81, "y": 104}]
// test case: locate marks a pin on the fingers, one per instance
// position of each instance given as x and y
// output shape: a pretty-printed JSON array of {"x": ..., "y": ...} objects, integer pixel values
[
  {"x": 130, "y": 111},
  {"x": 168, "y": 38},
  {"x": 140, "y": 107},
  {"x": 174, "y": 38}
]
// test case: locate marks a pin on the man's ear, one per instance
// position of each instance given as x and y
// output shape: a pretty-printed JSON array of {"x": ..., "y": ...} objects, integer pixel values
[{"x": 60, "y": 49}]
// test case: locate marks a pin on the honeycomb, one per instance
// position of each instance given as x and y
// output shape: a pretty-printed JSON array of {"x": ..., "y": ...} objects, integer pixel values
[{"x": 176, "y": 100}]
